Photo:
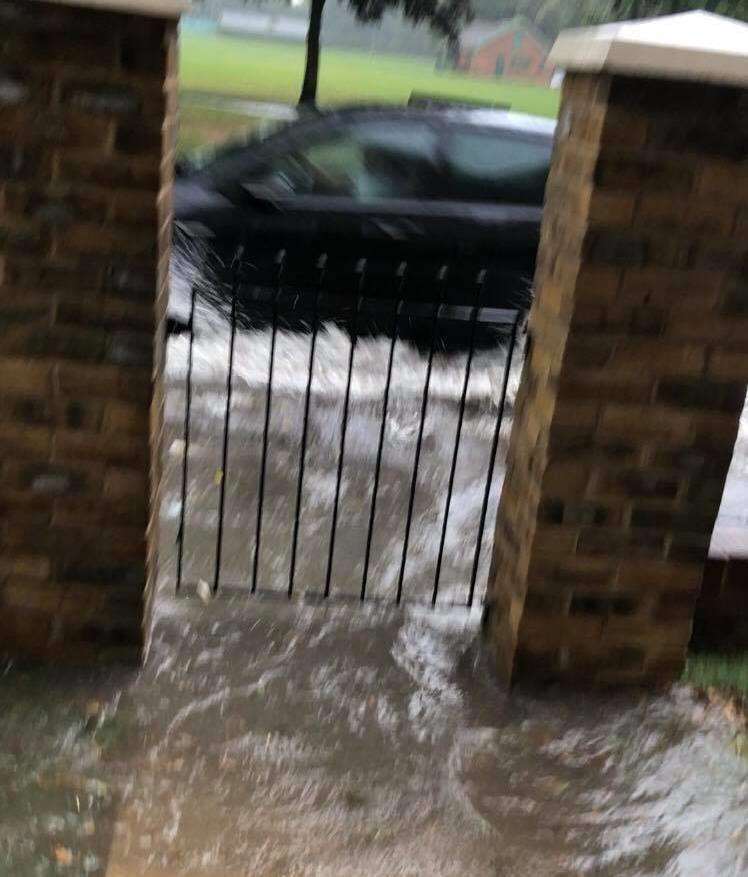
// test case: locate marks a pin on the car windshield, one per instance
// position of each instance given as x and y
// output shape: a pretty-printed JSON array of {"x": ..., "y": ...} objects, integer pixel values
[
  {"x": 366, "y": 159},
  {"x": 262, "y": 129}
]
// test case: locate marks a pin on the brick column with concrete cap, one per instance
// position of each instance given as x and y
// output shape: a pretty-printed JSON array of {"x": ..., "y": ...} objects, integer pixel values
[
  {"x": 87, "y": 109},
  {"x": 631, "y": 394}
]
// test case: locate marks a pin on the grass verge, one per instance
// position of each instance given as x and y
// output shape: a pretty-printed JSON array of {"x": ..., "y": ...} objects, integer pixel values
[
  {"x": 728, "y": 675},
  {"x": 272, "y": 71}
]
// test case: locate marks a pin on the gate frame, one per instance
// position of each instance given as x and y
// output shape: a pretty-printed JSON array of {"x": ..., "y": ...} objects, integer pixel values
[{"x": 288, "y": 287}]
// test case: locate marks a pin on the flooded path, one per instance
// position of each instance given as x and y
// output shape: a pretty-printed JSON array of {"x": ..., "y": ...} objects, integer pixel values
[{"x": 272, "y": 740}]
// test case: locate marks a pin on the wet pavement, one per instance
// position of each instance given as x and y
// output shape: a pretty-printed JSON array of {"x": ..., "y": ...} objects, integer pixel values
[{"x": 272, "y": 739}]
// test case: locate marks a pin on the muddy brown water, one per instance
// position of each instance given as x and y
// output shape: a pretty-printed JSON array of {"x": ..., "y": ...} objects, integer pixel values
[{"x": 271, "y": 739}]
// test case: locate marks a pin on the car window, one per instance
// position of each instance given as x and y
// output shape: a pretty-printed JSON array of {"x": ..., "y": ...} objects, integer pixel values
[
  {"x": 400, "y": 159},
  {"x": 230, "y": 163},
  {"x": 218, "y": 159},
  {"x": 329, "y": 166},
  {"x": 496, "y": 166},
  {"x": 367, "y": 160}
]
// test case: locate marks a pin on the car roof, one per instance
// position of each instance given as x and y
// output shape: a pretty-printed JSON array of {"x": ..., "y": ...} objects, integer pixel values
[{"x": 484, "y": 117}]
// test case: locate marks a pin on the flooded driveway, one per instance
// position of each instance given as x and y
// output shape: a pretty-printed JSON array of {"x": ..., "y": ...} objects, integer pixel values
[{"x": 272, "y": 739}]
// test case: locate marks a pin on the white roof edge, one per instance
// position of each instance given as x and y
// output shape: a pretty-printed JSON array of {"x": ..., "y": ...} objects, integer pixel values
[
  {"x": 690, "y": 46},
  {"x": 151, "y": 8}
]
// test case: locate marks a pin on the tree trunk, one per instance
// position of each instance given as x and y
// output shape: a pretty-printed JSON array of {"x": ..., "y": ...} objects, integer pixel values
[{"x": 308, "y": 95}]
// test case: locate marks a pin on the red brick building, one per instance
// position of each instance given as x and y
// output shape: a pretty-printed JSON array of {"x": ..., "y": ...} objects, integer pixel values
[{"x": 513, "y": 48}]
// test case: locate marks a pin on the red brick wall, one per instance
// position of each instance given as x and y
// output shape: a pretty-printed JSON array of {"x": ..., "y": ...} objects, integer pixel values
[
  {"x": 532, "y": 66},
  {"x": 86, "y": 157}
]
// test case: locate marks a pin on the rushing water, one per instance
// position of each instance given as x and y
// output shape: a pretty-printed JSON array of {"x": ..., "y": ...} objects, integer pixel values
[
  {"x": 276, "y": 739},
  {"x": 273, "y": 739},
  {"x": 210, "y": 356}
]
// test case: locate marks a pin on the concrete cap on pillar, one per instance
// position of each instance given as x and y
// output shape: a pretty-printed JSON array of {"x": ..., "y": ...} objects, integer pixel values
[
  {"x": 693, "y": 45},
  {"x": 153, "y": 8}
]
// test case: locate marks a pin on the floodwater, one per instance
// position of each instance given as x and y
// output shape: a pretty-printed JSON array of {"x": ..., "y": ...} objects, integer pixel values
[
  {"x": 268, "y": 738},
  {"x": 275, "y": 740},
  {"x": 237, "y": 520},
  {"x": 242, "y": 474}
]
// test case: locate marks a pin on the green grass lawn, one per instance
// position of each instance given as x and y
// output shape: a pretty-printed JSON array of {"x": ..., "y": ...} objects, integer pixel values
[
  {"x": 265, "y": 70},
  {"x": 729, "y": 675}
]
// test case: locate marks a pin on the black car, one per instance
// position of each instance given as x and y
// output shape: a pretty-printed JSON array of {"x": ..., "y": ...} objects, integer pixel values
[{"x": 390, "y": 185}]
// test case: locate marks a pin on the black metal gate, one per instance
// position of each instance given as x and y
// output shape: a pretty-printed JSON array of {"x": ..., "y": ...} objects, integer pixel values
[{"x": 434, "y": 308}]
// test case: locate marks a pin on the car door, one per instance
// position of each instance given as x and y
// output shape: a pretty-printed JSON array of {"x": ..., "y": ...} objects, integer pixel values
[
  {"x": 359, "y": 189},
  {"x": 496, "y": 181},
  {"x": 234, "y": 198}
]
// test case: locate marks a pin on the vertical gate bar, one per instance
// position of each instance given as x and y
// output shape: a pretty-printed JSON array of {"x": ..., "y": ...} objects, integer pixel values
[
  {"x": 280, "y": 260},
  {"x": 321, "y": 265},
  {"x": 441, "y": 277},
  {"x": 187, "y": 409},
  {"x": 492, "y": 458},
  {"x": 402, "y": 269},
  {"x": 458, "y": 434},
  {"x": 361, "y": 269},
  {"x": 237, "y": 267}
]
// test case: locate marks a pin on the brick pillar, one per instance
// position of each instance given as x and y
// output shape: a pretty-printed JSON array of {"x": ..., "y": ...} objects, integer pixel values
[
  {"x": 87, "y": 102},
  {"x": 630, "y": 399}
]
